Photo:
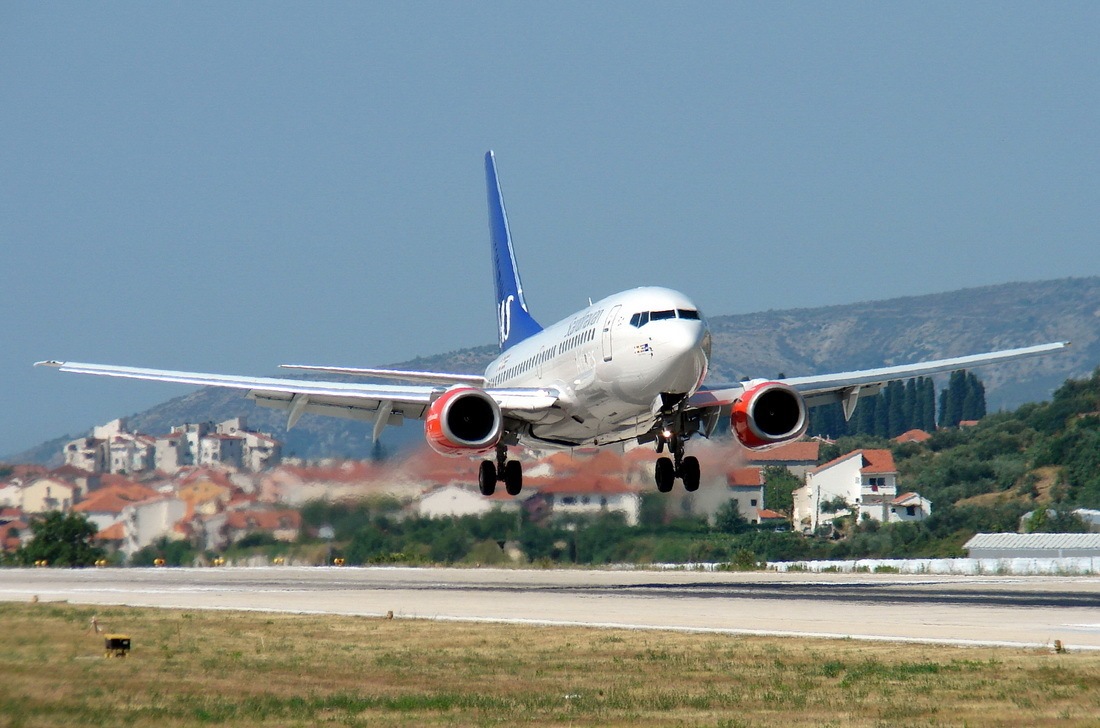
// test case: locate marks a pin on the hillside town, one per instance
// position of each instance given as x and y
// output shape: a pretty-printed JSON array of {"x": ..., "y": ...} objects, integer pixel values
[{"x": 213, "y": 484}]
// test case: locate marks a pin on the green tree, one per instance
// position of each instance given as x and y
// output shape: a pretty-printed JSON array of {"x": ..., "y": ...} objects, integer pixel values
[
  {"x": 728, "y": 519},
  {"x": 174, "y": 553},
  {"x": 62, "y": 540},
  {"x": 964, "y": 399},
  {"x": 779, "y": 483}
]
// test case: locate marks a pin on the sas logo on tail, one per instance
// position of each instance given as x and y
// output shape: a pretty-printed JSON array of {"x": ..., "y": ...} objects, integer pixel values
[{"x": 504, "y": 318}]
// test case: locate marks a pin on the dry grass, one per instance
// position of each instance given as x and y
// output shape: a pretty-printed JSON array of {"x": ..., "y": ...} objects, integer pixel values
[{"x": 234, "y": 668}]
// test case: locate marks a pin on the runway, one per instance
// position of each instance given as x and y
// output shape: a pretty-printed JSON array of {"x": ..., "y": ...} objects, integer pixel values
[{"x": 957, "y": 610}]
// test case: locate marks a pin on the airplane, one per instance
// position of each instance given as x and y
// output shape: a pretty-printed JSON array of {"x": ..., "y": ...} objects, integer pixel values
[{"x": 629, "y": 368}]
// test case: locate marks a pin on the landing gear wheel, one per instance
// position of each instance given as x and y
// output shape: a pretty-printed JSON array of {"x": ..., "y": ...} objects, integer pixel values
[
  {"x": 665, "y": 474},
  {"x": 513, "y": 477},
  {"x": 487, "y": 477},
  {"x": 689, "y": 473}
]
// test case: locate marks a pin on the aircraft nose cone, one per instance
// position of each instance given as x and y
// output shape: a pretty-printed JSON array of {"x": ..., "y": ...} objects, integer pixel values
[{"x": 686, "y": 347}]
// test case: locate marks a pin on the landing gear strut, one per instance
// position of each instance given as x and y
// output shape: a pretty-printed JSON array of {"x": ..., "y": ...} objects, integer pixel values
[
  {"x": 668, "y": 469},
  {"x": 509, "y": 472}
]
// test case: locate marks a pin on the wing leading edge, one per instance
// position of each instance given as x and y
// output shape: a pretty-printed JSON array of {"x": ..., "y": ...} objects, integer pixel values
[
  {"x": 382, "y": 404},
  {"x": 403, "y": 375},
  {"x": 847, "y": 387}
]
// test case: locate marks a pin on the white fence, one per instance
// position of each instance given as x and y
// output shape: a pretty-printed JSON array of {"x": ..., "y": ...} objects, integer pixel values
[{"x": 1016, "y": 567}]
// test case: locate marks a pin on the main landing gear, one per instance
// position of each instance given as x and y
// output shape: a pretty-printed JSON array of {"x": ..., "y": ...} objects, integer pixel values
[
  {"x": 506, "y": 471},
  {"x": 667, "y": 470}
]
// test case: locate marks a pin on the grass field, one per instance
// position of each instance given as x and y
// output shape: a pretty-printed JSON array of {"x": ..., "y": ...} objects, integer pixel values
[{"x": 256, "y": 669}]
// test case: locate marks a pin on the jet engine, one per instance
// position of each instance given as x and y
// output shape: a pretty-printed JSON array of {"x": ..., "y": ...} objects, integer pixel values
[
  {"x": 769, "y": 414},
  {"x": 463, "y": 421}
]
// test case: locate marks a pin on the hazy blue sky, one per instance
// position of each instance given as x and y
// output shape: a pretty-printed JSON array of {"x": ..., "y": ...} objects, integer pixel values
[{"x": 226, "y": 187}]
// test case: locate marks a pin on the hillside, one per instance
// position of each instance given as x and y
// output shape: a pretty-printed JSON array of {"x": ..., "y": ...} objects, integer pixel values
[{"x": 793, "y": 342}]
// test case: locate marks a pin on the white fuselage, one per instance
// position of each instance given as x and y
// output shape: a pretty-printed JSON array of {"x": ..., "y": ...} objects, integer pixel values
[{"x": 610, "y": 363}]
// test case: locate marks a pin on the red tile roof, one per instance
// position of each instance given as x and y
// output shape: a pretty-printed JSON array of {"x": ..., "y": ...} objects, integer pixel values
[
  {"x": 113, "y": 498},
  {"x": 874, "y": 462},
  {"x": 766, "y": 514},
  {"x": 581, "y": 484},
  {"x": 262, "y": 520},
  {"x": 913, "y": 436},
  {"x": 70, "y": 472},
  {"x": 106, "y": 503},
  {"x": 114, "y": 532},
  {"x": 878, "y": 462},
  {"x": 745, "y": 478},
  {"x": 900, "y": 500},
  {"x": 791, "y": 452}
]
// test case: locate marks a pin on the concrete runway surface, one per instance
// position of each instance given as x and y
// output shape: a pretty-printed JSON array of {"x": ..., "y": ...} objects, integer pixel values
[{"x": 959, "y": 610}]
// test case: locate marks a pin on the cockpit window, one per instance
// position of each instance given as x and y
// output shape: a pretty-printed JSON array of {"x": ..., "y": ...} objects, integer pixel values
[{"x": 639, "y": 320}]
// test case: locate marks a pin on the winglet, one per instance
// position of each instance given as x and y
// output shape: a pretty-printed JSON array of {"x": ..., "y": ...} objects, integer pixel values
[{"x": 514, "y": 322}]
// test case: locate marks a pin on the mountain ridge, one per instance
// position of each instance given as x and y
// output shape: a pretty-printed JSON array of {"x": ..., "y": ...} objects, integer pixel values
[{"x": 793, "y": 342}]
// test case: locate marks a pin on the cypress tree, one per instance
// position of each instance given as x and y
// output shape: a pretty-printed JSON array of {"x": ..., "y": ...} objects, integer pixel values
[
  {"x": 895, "y": 409},
  {"x": 973, "y": 403},
  {"x": 952, "y": 399},
  {"x": 928, "y": 404},
  {"x": 881, "y": 421},
  {"x": 909, "y": 410}
]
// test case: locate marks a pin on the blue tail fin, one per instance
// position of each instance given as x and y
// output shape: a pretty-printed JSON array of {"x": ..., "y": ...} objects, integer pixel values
[{"x": 514, "y": 323}]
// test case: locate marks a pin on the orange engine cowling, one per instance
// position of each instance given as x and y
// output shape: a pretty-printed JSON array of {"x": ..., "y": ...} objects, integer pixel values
[
  {"x": 768, "y": 414},
  {"x": 463, "y": 421}
]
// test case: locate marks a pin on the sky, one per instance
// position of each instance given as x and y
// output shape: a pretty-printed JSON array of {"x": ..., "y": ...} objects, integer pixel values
[{"x": 225, "y": 186}]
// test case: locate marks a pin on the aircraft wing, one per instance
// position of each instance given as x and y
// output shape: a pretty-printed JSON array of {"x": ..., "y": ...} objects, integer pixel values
[
  {"x": 382, "y": 404},
  {"x": 847, "y": 387},
  {"x": 403, "y": 375}
]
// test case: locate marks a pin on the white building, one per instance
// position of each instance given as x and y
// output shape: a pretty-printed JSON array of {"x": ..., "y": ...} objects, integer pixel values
[
  {"x": 456, "y": 500},
  {"x": 87, "y": 453},
  {"x": 862, "y": 482},
  {"x": 1033, "y": 545},
  {"x": 219, "y": 449},
  {"x": 584, "y": 495},
  {"x": 909, "y": 507},
  {"x": 148, "y": 520},
  {"x": 47, "y": 494},
  {"x": 130, "y": 453},
  {"x": 112, "y": 448},
  {"x": 744, "y": 486}
]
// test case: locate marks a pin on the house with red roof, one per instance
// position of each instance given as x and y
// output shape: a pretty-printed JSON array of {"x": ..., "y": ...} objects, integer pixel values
[
  {"x": 910, "y": 507},
  {"x": 917, "y": 436},
  {"x": 863, "y": 482},
  {"x": 283, "y": 525},
  {"x": 12, "y": 533},
  {"x": 464, "y": 500},
  {"x": 798, "y": 457},
  {"x": 585, "y": 494},
  {"x": 104, "y": 506}
]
